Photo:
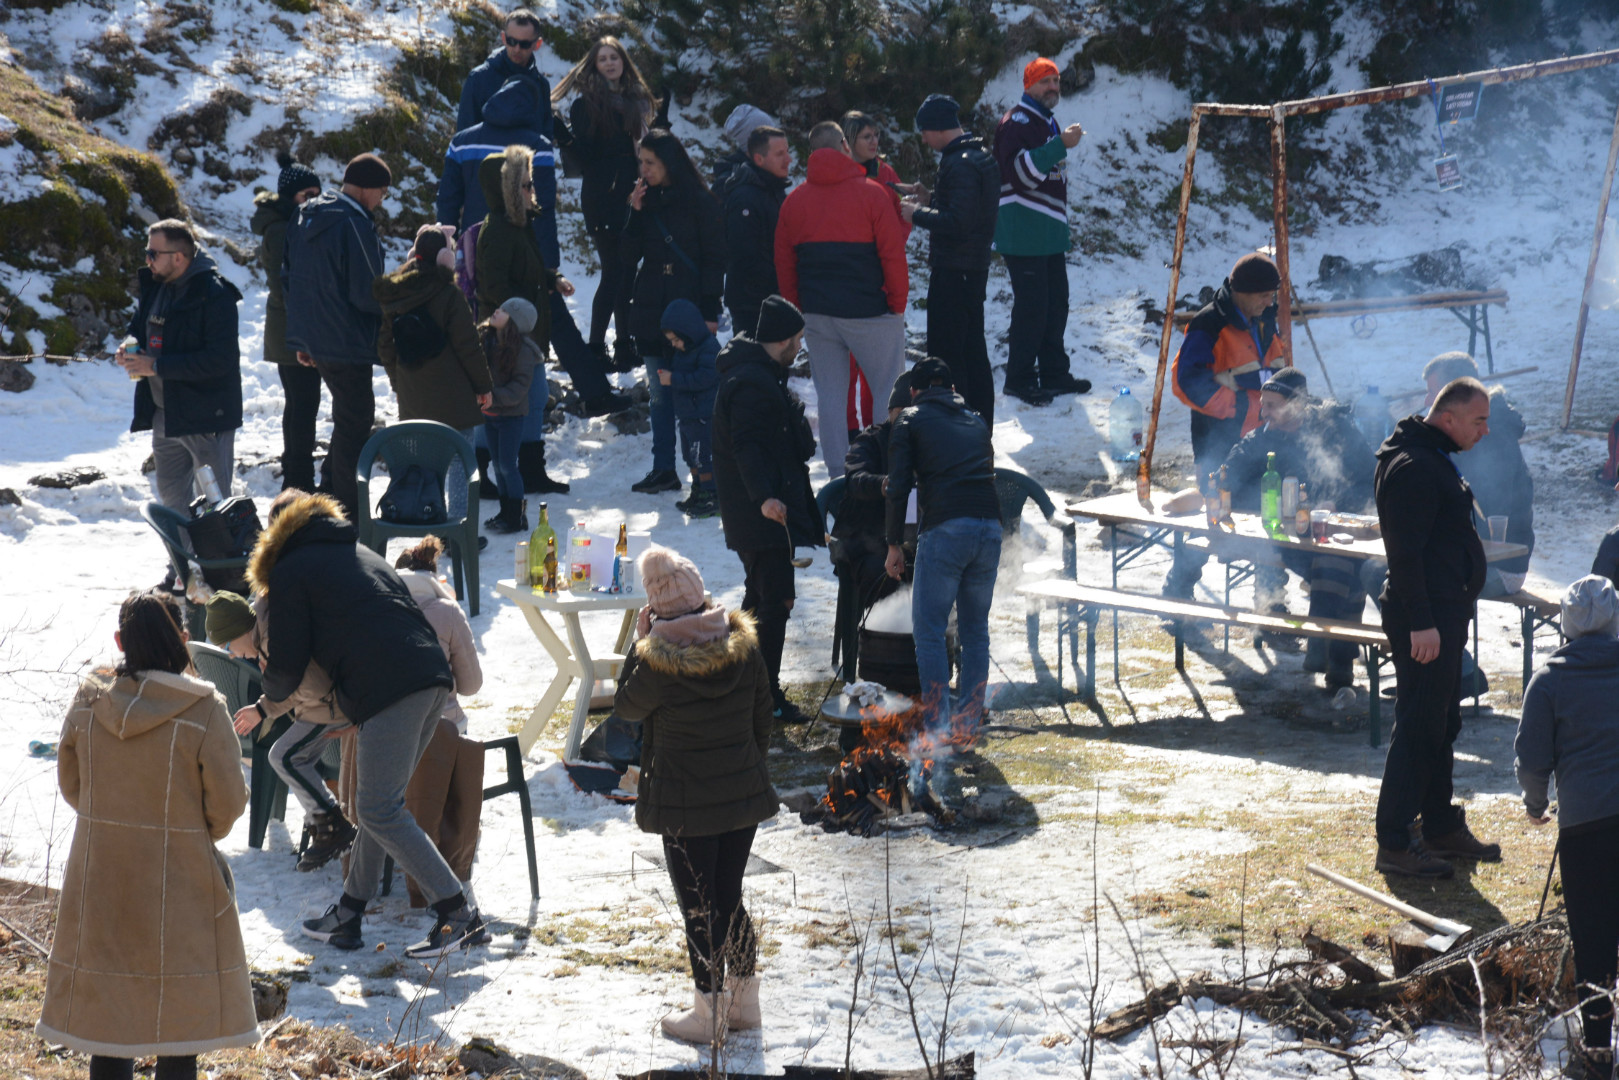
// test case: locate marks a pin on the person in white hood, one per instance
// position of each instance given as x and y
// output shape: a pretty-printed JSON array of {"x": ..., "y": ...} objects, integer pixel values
[{"x": 446, "y": 792}]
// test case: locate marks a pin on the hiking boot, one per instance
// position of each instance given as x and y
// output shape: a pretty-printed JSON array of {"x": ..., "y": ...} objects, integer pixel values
[
  {"x": 702, "y": 504},
  {"x": 657, "y": 480},
  {"x": 1064, "y": 384},
  {"x": 330, "y": 834},
  {"x": 339, "y": 928},
  {"x": 1460, "y": 843},
  {"x": 788, "y": 713},
  {"x": 1029, "y": 395},
  {"x": 510, "y": 519},
  {"x": 461, "y": 929},
  {"x": 545, "y": 484},
  {"x": 1414, "y": 861},
  {"x": 606, "y": 404}
]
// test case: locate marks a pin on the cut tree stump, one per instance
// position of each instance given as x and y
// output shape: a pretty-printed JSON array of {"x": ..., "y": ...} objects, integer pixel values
[{"x": 1408, "y": 947}]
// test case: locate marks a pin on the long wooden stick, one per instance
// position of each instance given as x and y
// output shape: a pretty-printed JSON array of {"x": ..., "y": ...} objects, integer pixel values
[
  {"x": 1591, "y": 273},
  {"x": 1416, "y": 915},
  {"x": 1304, "y": 321}
]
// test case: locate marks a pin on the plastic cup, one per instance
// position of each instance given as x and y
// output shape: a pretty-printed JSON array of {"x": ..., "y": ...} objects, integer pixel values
[
  {"x": 1318, "y": 525},
  {"x": 1498, "y": 528}
]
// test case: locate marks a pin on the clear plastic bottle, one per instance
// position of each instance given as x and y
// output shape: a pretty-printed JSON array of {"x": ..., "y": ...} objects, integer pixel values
[
  {"x": 1125, "y": 424},
  {"x": 578, "y": 558}
]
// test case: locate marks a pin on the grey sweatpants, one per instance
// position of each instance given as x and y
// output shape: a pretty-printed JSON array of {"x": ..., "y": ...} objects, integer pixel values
[
  {"x": 178, "y": 458},
  {"x": 294, "y": 758},
  {"x": 878, "y": 346},
  {"x": 387, "y": 749}
]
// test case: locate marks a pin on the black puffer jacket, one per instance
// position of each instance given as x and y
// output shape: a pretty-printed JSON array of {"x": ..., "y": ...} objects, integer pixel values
[
  {"x": 706, "y": 713},
  {"x": 1500, "y": 479},
  {"x": 1426, "y": 510},
  {"x": 271, "y": 216},
  {"x": 610, "y": 169},
  {"x": 752, "y": 200},
  {"x": 942, "y": 448},
  {"x": 200, "y": 361},
  {"x": 691, "y": 219},
  {"x": 960, "y": 218},
  {"x": 332, "y": 257},
  {"x": 341, "y": 605},
  {"x": 1327, "y": 453},
  {"x": 762, "y": 446}
]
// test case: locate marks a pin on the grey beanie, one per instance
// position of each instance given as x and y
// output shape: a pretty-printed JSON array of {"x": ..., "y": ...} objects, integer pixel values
[
  {"x": 1590, "y": 606},
  {"x": 522, "y": 314},
  {"x": 743, "y": 119}
]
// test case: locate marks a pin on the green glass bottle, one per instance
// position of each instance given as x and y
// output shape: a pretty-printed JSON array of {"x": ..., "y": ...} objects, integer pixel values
[
  {"x": 1270, "y": 496},
  {"x": 542, "y": 538}
]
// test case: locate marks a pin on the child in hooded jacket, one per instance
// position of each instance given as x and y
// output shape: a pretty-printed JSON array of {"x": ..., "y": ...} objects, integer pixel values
[
  {"x": 693, "y": 379},
  {"x": 513, "y": 357}
]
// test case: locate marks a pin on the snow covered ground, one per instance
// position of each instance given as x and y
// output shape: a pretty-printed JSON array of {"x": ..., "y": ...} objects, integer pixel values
[{"x": 543, "y": 986}]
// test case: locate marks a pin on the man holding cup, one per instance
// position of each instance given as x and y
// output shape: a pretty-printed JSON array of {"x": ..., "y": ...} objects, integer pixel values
[
  {"x": 1435, "y": 574},
  {"x": 186, "y": 363}
]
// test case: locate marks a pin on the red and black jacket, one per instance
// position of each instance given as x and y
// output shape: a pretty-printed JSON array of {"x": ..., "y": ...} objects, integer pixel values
[{"x": 839, "y": 247}]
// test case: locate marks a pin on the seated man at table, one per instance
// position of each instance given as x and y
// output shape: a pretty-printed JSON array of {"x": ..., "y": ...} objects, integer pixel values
[{"x": 1317, "y": 442}]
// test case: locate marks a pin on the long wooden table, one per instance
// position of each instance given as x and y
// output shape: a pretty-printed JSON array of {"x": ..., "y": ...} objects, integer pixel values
[{"x": 1135, "y": 530}]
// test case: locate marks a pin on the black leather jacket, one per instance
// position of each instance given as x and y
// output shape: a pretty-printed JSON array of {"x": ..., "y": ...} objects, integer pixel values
[
  {"x": 960, "y": 219},
  {"x": 942, "y": 448}
]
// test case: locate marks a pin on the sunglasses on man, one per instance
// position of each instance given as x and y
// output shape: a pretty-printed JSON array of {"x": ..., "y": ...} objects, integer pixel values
[{"x": 526, "y": 44}]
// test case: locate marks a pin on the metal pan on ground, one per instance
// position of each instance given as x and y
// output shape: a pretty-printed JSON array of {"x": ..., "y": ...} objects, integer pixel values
[{"x": 848, "y": 711}]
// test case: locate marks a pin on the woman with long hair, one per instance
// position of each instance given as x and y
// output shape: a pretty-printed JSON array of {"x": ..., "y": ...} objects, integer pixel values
[
  {"x": 865, "y": 146},
  {"x": 613, "y": 109},
  {"x": 676, "y": 240},
  {"x": 147, "y": 958}
]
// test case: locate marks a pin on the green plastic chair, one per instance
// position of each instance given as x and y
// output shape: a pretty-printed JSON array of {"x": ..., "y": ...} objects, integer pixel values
[
  {"x": 239, "y": 683},
  {"x": 170, "y": 526},
  {"x": 431, "y": 445}
]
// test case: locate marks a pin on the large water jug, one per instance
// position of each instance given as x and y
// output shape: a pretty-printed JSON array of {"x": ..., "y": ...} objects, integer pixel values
[
  {"x": 1372, "y": 417},
  {"x": 1125, "y": 424}
]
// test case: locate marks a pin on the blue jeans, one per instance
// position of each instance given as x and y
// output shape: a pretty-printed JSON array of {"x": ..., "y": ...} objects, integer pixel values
[
  {"x": 696, "y": 449},
  {"x": 504, "y": 435},
  {"x": 663, "y": 406},
  {"x": 956, "y": 563}
]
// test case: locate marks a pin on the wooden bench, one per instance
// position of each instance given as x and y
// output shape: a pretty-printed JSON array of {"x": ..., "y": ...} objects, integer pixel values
[
  {"x": 1535, "y": 612},
  {"x": 1086, "y": 603},
  {"x": 1472, "y": 307}
]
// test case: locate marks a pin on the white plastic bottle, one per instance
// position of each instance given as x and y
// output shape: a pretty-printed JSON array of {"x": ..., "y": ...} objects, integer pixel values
[
  {"x": 1125, "y": 424},
  {"x": 1372, "y": 417}
]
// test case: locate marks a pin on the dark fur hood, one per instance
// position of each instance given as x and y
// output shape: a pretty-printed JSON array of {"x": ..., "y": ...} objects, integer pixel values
[{"x": 721, "y": 661}]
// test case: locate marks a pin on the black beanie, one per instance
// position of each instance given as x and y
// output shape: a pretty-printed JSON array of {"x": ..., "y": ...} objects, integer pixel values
[
  {"x": 294, "y": 177},
  {"x": 778, "y": 320},
  {"x": 1255, "y": 273},
  {"x": 938, "y": 113},
  {"x": 900, "y": 396},
  {"x": 368, "y": 171},
  {"x": 931, "y": 371},
  {"x": 1288, "y": 382}
]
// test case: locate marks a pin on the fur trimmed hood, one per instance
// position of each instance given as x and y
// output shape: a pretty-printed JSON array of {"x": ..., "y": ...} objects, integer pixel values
[
  {"x": 273, "y": 540},
  {"x": 727, "y": 655}
]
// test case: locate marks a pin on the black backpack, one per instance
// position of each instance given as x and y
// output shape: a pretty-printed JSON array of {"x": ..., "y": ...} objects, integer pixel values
[
  {"x": 417, "y": 338},
  {"x": 228, "y": 531},
  {"x": 416, "y": 498}
]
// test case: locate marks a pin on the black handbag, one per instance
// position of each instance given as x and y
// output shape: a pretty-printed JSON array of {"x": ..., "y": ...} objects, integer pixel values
[{"x": 417, "y": 337}]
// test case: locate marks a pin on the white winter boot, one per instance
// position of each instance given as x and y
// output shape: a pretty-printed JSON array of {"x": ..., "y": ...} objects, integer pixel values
[
  {"x": 743, "y": 1015},
  {"x": 696, "y": 1026}
]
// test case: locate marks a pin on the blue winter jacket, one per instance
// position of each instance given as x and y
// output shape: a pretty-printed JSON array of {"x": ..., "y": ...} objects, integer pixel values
[
  {"x": 508, "y": 120},
  {"x": 331, "y": 259},
  {"x": 488, "y": 77},
  {"x": 692, "y": 374},
  {"x": 1569, "y": 728}
]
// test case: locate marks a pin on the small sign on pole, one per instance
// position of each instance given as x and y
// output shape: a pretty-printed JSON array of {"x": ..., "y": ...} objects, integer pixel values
[
  {"x": 1449, "y": 171},
  {"x": 1459, "y": 101}
]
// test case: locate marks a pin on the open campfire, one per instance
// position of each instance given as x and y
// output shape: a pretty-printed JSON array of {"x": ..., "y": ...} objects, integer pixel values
[{"x": 888, "y": 776}]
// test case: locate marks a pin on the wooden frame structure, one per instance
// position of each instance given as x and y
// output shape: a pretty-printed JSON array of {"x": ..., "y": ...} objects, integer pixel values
[{"x": 1276, "y": 115}]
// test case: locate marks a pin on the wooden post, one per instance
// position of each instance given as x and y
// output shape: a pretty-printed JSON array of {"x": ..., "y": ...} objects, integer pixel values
[
  {"x": 1278, "y": 163},
  {"x": 1590, "y": 274},
  {"x": 1144, "y": 467}
]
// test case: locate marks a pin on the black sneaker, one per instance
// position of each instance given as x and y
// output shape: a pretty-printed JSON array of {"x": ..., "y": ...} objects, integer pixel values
[
  {"x": 1065, "y": 384},
  {"x": 788, "y": 713},
  {"x": 339, "y": 927},
  {"x": 606, "y": 404},
  {"x": 1029, "y": 395},
  {"x": 657, "y": 480},
  {"x": 461, "y": 929},
  {"x": 703, "y": 504}
]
